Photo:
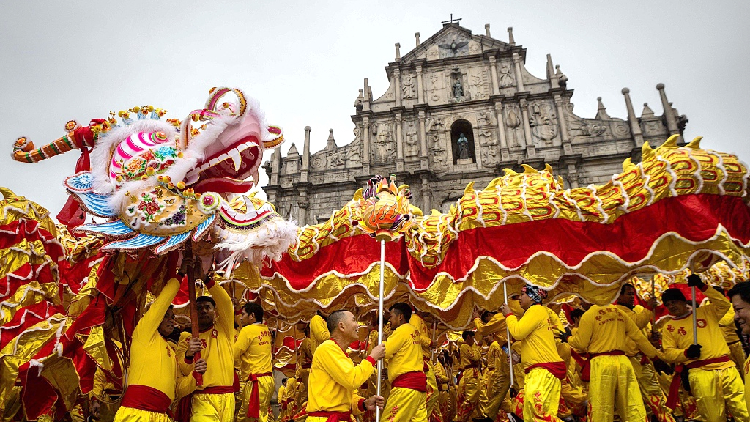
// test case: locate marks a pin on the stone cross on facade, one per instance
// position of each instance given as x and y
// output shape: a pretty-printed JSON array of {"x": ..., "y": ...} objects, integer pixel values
[{"x": 457, "y": 20}]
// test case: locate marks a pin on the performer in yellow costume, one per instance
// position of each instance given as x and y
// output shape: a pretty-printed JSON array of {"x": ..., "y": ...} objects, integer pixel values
[
  {"x": 432, "y": 388},
  {"x": 603, "y": 332},
  {"x": 403, "y": 356},
  {"x": 304, "y": 361},
  {"x": 280, "y": 400},
  {"x": 740, "y": 297},
  {"x": 543, "y": 367},
  {"x": 444, "y": 386},
  {"x": 153, "y": 365},
  {"x": 713, "y": 377},
  {"x": 334, "y": 380},
  {"x": 492, "y": 328},
  {"x": 318, "y": 332},
  {"x": 736, "y": 352},
  {"x": 252, "y": 351},
  {"x": 213, "y": 401},
  {"x": 468, "y": 386}
]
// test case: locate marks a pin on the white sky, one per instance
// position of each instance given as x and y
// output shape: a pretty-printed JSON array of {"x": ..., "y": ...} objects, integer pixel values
[{"x": 305, "y": 61}]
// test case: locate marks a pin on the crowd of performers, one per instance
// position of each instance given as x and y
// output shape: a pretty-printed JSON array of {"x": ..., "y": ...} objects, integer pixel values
[{"x": 607, "y": 362}]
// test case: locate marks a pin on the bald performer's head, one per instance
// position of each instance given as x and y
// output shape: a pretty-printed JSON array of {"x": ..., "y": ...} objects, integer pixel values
[{"x": 342, "y": 324}]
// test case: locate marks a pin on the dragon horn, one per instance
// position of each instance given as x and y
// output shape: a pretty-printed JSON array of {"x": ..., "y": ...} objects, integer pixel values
[
  {"x": 277, "y": 139},
  {"x": 77, "y": 137}
]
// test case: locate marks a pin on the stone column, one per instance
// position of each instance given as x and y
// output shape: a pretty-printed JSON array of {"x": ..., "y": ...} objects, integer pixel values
[
  {"x": 275, "y": 166},
  {"x": 420, "y": 86},
  {"x": 397, "y": 79},
  {"x": 426, "y": 200},
  {"x": 504, "y": 151},
  {"x": 399, "y": 144},
  {"x": 668, "y": 111},
  {"x": 567, "y": 146},
  {"x": 511, "y": 41},
  {"x": 517, "y": 66},
  {"x": 423, "y": 162},
  {"x": 530, "y": 149},
  {"x": 487, "y": 30},
  {"x": 416, "y": 35},
  {"x": 398, "y": 51},
  {"x": 303, "y": 178},
  {"x": 366, "y": 146},
  {"x": 493, "y": 73},
  {"x": 635, "y": 128}
]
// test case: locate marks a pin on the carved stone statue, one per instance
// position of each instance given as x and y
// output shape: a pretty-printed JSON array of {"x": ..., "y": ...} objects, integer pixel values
[
  {"x": 463, "y": 147},
  {"x": 506, "y": 77},
  {"x": 458, "y": 90}
]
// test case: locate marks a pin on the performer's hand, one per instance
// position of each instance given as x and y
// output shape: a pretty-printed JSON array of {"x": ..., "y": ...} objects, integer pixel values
[
  {"x": 378, "y": 352},
  {"x": 652, "y": 303},
  {"x": 512, "y": 393},
  {"x": 693, "y": 351},
  {"x": 201, "y": 366},
  {"x": 194, "y": 346},
  {"x": 694, "y": 280},
  {"x": 655, "y": 339},
  {"x": 96, "y": 409},
  {"x": 375, "y": 401},
  {"x": 505, "y": 309}
]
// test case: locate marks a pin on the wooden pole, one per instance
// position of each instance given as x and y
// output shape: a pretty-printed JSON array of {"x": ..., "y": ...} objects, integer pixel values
[{"x": 195, "y": 331}]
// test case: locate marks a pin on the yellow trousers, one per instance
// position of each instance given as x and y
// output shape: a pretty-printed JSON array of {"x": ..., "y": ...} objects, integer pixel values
[
  {"x": 541, "y": 397},
  {"x": 303, "y": 376},
  {"x": 266, "y": 387},
  {"x": 432, "y": 392},
  {"x": 613, "y": 384},
  {"x": 405, "y": 405},
  {"x": 718, "y": 391},
  {"x": 651, "y": 391},
  {"x": 212, "y": 407},
  {"x": 468, "y": 394},
  {"x": 127, "y": 414},
  {"x": 446, "y": 405},
  {"x": 495, "y": 385}
]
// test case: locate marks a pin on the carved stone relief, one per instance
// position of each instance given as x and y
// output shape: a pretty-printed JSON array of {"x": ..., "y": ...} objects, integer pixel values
[
  {"x": 337, "y": 158},
  {"x": 506, "y": 77},
  {"x": 436, "y": 86},
  {"x": 478, "y": 86},
  {"x": 319, "y": 161},
  {"x": 453, "y": 46},
  {"x": 474, "y": 47},
  {"x": 486, "y": 137},
  {"x": 543, "y": 122},
  {"x": 484, "y": 119},
  {"x": 433, "y": 53},
  {"x": 408, "y": 87},
  {"x": 490, "y": 157},
  {"x": 384, "y": 150}
]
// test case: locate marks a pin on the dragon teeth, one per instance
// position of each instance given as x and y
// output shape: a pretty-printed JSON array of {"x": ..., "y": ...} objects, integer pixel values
[{"x": 236, "y": 158}]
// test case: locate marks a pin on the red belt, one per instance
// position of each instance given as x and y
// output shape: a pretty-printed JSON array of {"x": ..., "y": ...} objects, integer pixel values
[
  {"x": 674, "y": 387},
  {"x": 221, "y": 389},
  {"x": 610, "y": 353},
  {"x": 332, "y": 416},
  {"x": 557, "y": 369},
  {"x": 412, "y": 380},
  {"x": 146, "y": 398},
  {"x": 253, "y": 406}
]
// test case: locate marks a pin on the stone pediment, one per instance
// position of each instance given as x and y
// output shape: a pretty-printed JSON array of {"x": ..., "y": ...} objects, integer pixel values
[{"x": 453, "y": 41}]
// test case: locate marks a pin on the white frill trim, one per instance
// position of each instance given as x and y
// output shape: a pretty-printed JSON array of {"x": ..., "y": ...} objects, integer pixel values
[{"x": 270, "y": 241}]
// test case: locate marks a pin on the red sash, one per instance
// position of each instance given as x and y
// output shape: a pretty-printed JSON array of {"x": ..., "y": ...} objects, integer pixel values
[
  {"x": 557, "y": 369},
  {"x": 332, "y": 416},
  {"x": 146, "y": 398},
  {"x": 253, "y": 406},
  {"x": 583, "y": 362},
  {"x": 674, "y": 387},
  {"x": 412, "y": 380}
]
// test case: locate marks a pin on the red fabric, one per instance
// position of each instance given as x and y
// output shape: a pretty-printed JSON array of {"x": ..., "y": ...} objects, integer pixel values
[
  {"x": 555, "y": 368},
  {"x": 694, "y": 217},
  {"x": 333, "y": 416},
  {"x": 412, "y": 380},
  {"x": 221, "y": 389},
  {"x": 674, "y": 387},
  {"x": 146, "y": 398},
  {"x": 253, "y": 406},
  {"x": 370, "y": 359},
  {"x": 72, "y": 213}
]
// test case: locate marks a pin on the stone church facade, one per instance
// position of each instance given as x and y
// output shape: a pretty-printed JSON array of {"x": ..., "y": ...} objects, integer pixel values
[{"x": 462, "y": 107}]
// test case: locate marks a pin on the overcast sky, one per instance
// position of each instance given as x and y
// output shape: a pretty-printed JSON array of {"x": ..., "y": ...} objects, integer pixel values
[{"x": 305, "y": 61}]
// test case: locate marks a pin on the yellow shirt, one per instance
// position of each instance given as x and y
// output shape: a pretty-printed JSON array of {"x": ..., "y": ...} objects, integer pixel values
[
  {"x": 305, "y": 353},
  {"x": 318, "y": 332},
  {"x": 746, "y": 373},
  {"x": 535, "y": 329},
  {"x": 280, "y": 394},
  {"x": 217, "y": 344},
  {"x": 440, "y": 375},
  {"x": 496, "y": 358},
  {"x": 641, "y": 317},
  {"x": 424, "y": 337},
  {"x": 677, "y": 333},
  {"x": 252, "y": 350},
  {"x": 496, "y": 325},
  {"x": 728, "y": 328},
  {"x": 334, "y": 380},
  {"x": 607, "y": 328},
  {"x": 403, "y": 351},
  {"x": 470, "y": 355},
  {"x": 153, "y": 362}
]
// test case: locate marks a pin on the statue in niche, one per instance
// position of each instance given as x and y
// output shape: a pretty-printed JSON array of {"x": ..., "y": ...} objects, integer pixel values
[
  {"x": 408, "y": 86},
  {"x": 412, "y": 147},
  {"x": 458, "y": 90},
  {"x": 506, "y": 76},
  {"x": 513, "y": 121},
  {"x": 463, "y": 147}
]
